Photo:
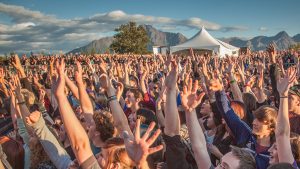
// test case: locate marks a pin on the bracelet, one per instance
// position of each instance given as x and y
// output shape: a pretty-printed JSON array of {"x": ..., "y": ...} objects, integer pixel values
[
  {"x": 232, "y": 81},
  {"x": 111, "y": 98},
  {"x": 283, "y": 97},
  {"x": 23, "y": 102}
]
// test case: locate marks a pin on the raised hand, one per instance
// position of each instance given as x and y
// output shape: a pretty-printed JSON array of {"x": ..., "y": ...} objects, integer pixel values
[
  {"x": 139, "y": 149},
  {"x": 78, "y": 73},
  {"x": 272, "y": 52},
  {"x": 42, "y": 94},
  {"x": 203, "y": 62},
  {"x": 250, "y": 81},
  {"x": 189, "y": 97},
  {"x": 90, "y": 65},
  {"x": 33, "y": 117},
  {"x": 120, "y": 88},
  {"x": 283, "y": 84},
  {"x": 260, "y": 82},
  {"x": 103, "y": 66},
  {"x": 59, "y": 82},
  {"x": 2, "y": 75},
  {"x": 192, "y": 52},
  {"x": 16, "y": 62},
  {"x": 171, "y": 79},
  {"x": 215, "y": 85}
]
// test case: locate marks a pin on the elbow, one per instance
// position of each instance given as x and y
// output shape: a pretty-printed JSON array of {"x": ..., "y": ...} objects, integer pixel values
[{"x": 81, "y": 145}]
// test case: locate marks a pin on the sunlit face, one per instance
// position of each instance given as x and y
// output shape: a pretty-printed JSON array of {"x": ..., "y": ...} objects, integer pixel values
[
  {"x": 260, "y": 128},
  {"x": 229, "y": 161},
  {"x": 130, "y": 99},
  {"x": 133, "y": 83},
  {"x": 274, "y": 154},
  {"x": 294, "y": 103}
]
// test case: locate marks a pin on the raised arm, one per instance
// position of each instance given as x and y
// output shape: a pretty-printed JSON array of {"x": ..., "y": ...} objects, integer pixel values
[
  {"x": 85, "y": 102},
  {"x": 120, "y": 119},
  {"x": 52, "y": 147},
  {"x": 283, "y": 125},
  {"x": 76, "y": 133},
  {"x": 261, "y": 96},
  {"x": 172, "y": 122},
  {"x": 241, "y": 131},
  {"x": 142, "y": 81},
  {"x": 71, "y": 85},
  {"x": 237, "y": 94},
  {"x": 126, "y": 73},
  {"x": 190, "y": 100}
]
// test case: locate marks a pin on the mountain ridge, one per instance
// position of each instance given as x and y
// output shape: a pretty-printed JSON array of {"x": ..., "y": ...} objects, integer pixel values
[{"x": 160, "y": 38}]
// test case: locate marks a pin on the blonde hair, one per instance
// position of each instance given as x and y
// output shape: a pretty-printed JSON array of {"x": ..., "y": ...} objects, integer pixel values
[{"x": 117, "y": 153}]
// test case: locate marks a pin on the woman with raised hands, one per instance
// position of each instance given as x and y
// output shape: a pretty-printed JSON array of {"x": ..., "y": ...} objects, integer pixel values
[
  {"x": 258, "y": 140},
  {"x": 235, "y": 159}
]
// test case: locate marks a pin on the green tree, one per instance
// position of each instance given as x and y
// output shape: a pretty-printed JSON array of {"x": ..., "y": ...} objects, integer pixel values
[{"x": 130, "y": 39}]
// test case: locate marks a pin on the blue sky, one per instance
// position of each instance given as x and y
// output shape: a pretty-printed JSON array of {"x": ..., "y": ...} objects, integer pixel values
[{"x": 64, "y": 25}]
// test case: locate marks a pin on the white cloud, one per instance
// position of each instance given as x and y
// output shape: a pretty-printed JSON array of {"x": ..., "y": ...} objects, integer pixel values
[
  {"x": 263, "y": 29},
  {"x": 34, "y": 29}
]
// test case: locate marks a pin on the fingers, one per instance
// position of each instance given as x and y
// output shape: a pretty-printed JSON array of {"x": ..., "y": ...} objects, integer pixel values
[
  {"x": 190, "y": 85},
  {"x": 137, "y": 130},
  {"x": 155, "y": 149},
  {"x": 152, "y": 139},
  {"x": 149, "y": 130},
  {"x": 195, "y": 86}
]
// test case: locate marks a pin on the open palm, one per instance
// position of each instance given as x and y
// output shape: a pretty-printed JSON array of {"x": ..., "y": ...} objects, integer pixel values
[
  {"x": 283, "y": 84},
  {"x": 171, "y": 79},
  {"x": 189, "y": 97},
  {"x": 59, "y": 82},
  {"x": 138, "y": 148}
]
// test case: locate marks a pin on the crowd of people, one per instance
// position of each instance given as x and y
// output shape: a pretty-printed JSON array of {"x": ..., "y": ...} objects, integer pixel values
[{"x": 114, "y": 111}]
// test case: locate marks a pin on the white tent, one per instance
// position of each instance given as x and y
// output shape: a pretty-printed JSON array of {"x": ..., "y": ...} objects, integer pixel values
[{"x": 203, "y": 40}]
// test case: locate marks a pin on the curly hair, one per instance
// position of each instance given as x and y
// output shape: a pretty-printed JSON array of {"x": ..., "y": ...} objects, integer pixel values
[{"x": 104, "y": 125}]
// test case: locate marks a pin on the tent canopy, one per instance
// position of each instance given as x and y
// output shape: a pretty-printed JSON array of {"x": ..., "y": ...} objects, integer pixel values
[{"x": 203, "y": 40}]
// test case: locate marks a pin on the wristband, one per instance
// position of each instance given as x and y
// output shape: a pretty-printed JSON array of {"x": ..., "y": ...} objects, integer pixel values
[
  {"x": 232, "y": 81},
  {"x": 23, "y": 102},
  {"x": 283, "y": 97},
  {"x": 111, "y": 98}
]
